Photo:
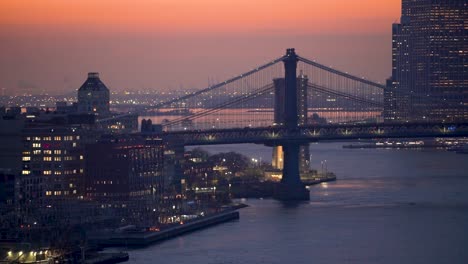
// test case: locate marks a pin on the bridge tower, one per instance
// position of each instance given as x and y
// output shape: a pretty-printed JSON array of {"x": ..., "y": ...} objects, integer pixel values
[{"x": 291, "y": 187}]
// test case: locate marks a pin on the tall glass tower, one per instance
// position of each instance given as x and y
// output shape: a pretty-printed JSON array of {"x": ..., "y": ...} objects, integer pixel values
[{"x": 429, "y": 63}]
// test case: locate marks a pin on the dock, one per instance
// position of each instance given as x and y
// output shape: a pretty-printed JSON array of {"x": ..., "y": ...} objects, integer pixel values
[{"x": 146, "y": 238}]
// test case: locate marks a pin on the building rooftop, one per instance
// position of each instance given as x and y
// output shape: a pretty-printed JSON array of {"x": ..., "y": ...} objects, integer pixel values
[{"x": 93, "y": 83}]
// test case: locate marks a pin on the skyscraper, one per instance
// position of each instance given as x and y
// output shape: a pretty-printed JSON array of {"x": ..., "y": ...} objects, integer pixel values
[{"x": 429, "y": 63}]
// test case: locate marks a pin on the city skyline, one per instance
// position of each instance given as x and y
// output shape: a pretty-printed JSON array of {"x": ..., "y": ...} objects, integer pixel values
[
  {"x": 320, "y": 130},
  {"x": 135, "y": 49}
]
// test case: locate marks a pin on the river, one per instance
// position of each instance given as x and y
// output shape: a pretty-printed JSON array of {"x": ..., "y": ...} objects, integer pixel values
[{"x": 387, "y": 206}]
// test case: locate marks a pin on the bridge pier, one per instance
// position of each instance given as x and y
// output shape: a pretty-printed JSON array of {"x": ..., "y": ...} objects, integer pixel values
[{"x": 291, "y": 188}]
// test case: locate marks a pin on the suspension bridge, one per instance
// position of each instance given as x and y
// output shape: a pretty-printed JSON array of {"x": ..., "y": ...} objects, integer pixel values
[{"x": 290, "y": 102}]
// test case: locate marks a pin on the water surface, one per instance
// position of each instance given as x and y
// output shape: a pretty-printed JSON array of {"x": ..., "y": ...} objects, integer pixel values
[{"x": 388, "y": 206}]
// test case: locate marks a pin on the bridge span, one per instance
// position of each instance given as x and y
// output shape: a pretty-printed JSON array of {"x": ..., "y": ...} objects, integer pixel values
[{"x": 292, "y": 109}]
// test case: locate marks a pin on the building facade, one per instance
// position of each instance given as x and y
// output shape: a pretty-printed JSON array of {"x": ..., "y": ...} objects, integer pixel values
[
  {"x": 93, "y": 96},
  {"x": 429, "y": 63},
  {"x": 52, "y": 164},
  {"x": 124, "y": 168}
]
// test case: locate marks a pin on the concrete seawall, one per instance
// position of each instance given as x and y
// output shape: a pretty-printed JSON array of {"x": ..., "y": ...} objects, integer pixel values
[{"x": 146, "y": 238}]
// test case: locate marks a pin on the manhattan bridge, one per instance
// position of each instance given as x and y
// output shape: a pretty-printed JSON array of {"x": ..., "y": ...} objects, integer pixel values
[{"x": 290, "y": 102}]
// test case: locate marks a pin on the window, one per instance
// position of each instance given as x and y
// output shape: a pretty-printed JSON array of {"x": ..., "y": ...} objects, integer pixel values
[
  {"x": 47, "y": 138},
  {"x": 47, "y": 172},
  {"x": 26, "y": 158},
  {"x": 48, "y": 193},
  {"x": 57, "y": 172},
  {"x": 26, "y": 172},
  {"x": 36, "y": 145},
  {"x": 47, "y": 158},
  {"x": 57, "y": 159},
  {"x": 81, "y": 157},
  {"x": 57, "y": 138},
  {"x": 37, "y": 152},
  {"x": 47, "y": 152},
  {"x": 57, "y": 152}
]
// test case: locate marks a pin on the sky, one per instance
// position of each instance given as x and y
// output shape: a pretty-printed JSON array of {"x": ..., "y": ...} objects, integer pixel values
[{"x": 50, "y": 45}]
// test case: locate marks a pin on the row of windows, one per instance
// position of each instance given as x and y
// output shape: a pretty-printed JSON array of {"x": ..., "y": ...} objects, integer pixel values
[
  {"x": 57, "y": 193},
  {"x": 55, "y": 138},
  {"x": 38, "y": 145},
  {"x": 46, "y": 152},
  {"x": 49, "y": 172}
]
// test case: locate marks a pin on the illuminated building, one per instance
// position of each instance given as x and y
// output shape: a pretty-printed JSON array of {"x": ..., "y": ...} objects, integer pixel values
[
  {"x": 124, "y": 168},
  {"x": 429, "y": 63},
  {"x": 52, "y": 163},
  {"x": 93, "y": 96}
]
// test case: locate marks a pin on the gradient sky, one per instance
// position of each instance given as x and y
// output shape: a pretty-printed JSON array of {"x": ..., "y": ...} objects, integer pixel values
[{"x": 50, "y": 45}]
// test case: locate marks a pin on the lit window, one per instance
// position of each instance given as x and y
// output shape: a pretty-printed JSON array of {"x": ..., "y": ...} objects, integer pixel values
[
  {"x": 47, "y": 152},
  {"x": 57, "y": 138},
  {"x": 37, "y": 152},
  {"x": 47, "y": 172},
  {"x": 36, "y": 145},
  {"x": 57, "y": 159},
  {"x": 26, "y": 172},
  {"x": 57, "y": 172},
  {"x": 48, "y": 193},
  {"x": 81, "y": 157},
  {"x": 74, "y": 144},
  {"x": 57, "y": 152},
  {"x": 47, "y": 158},
  {"x": 47, "y": 138},
  {"x": 26, "y": 158}
]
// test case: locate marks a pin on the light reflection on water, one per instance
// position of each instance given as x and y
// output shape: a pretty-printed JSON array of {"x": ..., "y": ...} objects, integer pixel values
[{"x": 388, "y": 206}]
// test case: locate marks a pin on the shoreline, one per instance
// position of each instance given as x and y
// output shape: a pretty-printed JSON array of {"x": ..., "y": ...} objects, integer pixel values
[{"x": 147, "y": 238}]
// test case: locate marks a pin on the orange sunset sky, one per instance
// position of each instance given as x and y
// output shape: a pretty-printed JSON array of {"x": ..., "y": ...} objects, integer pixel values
[{"x": 50, "y": 45}]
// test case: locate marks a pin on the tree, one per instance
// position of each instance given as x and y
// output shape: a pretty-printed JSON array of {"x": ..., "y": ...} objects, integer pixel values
[{"x": 234, "y": 162}]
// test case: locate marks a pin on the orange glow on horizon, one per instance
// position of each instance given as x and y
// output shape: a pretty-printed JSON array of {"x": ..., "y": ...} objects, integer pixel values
[{"x": 202, "y": 16}]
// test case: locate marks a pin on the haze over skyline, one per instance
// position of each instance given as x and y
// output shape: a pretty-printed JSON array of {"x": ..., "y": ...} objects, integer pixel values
[{"x": 50, "y": 45}]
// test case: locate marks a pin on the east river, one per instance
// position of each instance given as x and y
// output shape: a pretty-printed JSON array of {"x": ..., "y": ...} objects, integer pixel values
[{"x": 387, "y": 206}]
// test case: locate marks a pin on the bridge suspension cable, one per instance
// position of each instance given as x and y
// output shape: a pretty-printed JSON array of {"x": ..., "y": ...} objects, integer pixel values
[
  {"x": 213, "y": 87},
  {"x": 324, "y": 90},
  {"x": 343, "y": 74},
  {"x": 238, "y": 100}
]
